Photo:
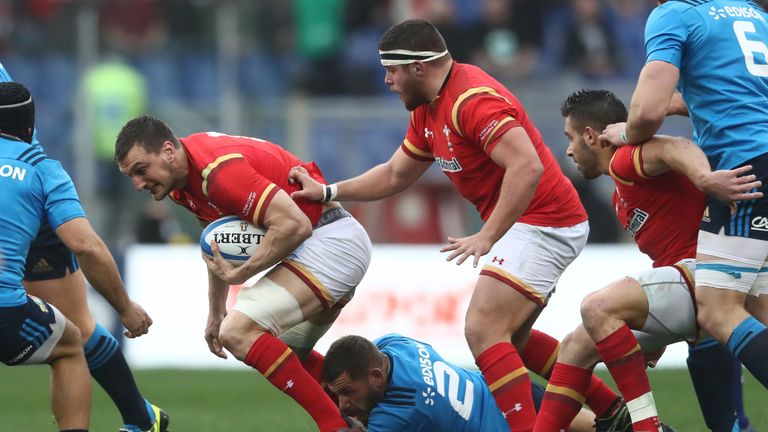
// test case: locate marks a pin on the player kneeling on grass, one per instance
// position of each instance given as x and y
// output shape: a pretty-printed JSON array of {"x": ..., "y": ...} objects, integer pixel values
[
  {"x": 317, "y": 252},
  {"x": 399, "y": 384},
  {"x": 661, "y": 208}
]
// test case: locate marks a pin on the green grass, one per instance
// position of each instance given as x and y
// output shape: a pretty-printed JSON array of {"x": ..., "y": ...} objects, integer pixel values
[{"x": 234, "y": 401}]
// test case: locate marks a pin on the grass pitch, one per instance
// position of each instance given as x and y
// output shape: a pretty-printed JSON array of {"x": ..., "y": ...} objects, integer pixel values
[{"x": 241, "y": 400}]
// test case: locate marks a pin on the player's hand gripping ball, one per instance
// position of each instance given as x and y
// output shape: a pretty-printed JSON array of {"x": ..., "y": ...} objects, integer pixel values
[{"x": 237, "y": 239}]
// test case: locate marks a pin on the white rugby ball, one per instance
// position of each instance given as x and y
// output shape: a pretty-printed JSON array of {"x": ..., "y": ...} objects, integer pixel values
[{"x": 237, "y": 239}]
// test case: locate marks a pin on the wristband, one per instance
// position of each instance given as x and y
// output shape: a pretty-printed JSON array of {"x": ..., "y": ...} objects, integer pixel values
[
  {"x": 329, "y": 192},
  {"x": 623, "y": 137}
]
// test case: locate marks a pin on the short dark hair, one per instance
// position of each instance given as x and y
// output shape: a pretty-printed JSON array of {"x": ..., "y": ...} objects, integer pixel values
[
  {"x": 17, "y": 111},
  {"x": 145, "y": 131},
  {"x": 594, "y": 108},
  {"x": 354, "y": 355},
  {"x": 413, "y": 35}
]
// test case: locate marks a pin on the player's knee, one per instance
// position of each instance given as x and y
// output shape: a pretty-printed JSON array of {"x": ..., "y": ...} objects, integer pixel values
[
  {"x": 594, "y": 308},
  {"x": 71, "y": 342},
  {"x": 238, "y": 340}
]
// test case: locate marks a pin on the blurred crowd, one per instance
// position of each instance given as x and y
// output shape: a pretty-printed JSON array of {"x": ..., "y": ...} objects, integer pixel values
[
  {"x": 184, "y": 58},
  {"x": 312, "y": 42}
]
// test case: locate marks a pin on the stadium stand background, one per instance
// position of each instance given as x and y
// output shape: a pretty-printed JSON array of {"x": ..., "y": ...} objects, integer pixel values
[{"x": 305, "y": 74}]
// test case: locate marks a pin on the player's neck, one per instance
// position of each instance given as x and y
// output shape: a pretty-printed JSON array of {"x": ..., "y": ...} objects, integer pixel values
[
  {"x": 182, "y": 167},
  {"x": 439, "y": 81},
  {"x": 604, "y": 157}
]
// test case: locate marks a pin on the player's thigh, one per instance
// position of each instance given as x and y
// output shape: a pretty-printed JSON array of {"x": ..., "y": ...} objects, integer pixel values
[
  {"x": 623, "y": 299},
  {"x": 732, "y": 248},
  {"x": 303, "y": 336},
  {"x": 319, "y": 276},
  {"x": 53, "y": 274},
  {"x": 332, "y": 262},
  {"x": 521, "y": 271},
  {"x": 35, "y": 333},
  {"x": 69, "y": 295},
  {"x": 671, "y": 310}
]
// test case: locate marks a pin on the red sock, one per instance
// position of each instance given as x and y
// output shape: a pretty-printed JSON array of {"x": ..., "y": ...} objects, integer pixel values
[
  {"x": 540, "y": 353},
  {"x": 600, "y": 398},
  {"x": 314, "y": 365},
  {"x": 621, "y": 354},
  {"x": 510, "y": 385},
  {"x": 563, "y": 398},
  {"x": 272, "y": 357}
]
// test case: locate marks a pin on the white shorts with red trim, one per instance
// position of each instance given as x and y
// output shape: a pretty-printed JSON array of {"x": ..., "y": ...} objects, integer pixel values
[
  {"x": 333, "y": 261},
  {"x": 531, "y": 258},
  {"x": 671, "y": 305}
]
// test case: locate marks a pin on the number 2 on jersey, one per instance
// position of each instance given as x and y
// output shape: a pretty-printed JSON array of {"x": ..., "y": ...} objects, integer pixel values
[
  {"x": 444, "y": 373},
  {"x": 751, "y": 47}
]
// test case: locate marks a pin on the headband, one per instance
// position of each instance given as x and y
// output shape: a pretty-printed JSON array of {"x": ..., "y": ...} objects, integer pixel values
[
  {"x": 401, "y": 56},
  {"x": 16, "y": 105}
]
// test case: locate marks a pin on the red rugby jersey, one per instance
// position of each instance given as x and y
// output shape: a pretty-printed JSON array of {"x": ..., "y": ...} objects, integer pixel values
[
  {"x": 236, "y": 175},
  {"x": 460, "y": 129},
  {"x": 662, "y": 213}
]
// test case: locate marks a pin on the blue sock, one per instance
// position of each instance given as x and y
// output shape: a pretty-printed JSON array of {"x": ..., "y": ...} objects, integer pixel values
[
  {"x": 749, "y": 343},
  {"x": 710, "y": 365},
  {"x": 738, "y": 396},
  {"x": 109, "y": 368}
]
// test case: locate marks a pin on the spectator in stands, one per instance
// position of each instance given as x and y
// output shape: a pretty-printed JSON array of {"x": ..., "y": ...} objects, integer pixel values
[{"x": 590, "y": 46}]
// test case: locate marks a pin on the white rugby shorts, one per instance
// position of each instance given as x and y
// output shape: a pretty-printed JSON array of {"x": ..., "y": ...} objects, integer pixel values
[
  {"x": 532, "y": 258},
  {"x": 742, "y": 265},
  {"x": 671, "y": 311},
  {"x": 332, "y": 262}
]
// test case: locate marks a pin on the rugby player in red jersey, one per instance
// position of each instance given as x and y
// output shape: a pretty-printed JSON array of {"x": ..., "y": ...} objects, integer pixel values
[
  {"x": 660, "y": 207},
  {"x": 319, "y": 252},
  {"x": 480, "y": 136}
]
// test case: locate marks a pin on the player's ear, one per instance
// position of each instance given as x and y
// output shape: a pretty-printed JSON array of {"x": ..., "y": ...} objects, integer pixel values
[
  {"x": 378, "y": 377},
  {"x": 590, "y": 136},
  {"x": 418, "y": 68},
  {"x": 169, "y": 150}
]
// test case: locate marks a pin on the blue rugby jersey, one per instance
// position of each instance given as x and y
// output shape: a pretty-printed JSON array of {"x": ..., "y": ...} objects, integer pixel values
[
  {"x": 426, "y": 393},
  {"x": 721, "y": 50},
  {"x": 33, "y": 189}
]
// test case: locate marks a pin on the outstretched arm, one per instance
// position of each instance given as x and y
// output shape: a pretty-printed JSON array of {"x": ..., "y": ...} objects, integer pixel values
[
  {"x": 664, "y": 153},
  {"x": 379, "y": 182},
  {"x": 101, "y": 271}
]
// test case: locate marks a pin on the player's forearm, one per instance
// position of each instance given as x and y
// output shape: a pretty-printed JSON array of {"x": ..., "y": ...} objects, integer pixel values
[
  {"x": 683, "y": 156},
  {"x": 217, "y": 295},
  {"x": 377, "y": 183},
  {"x": 282, "y": 238},
  {"x": 517, "y": 190},
  {"x": 642, "y": 124},
  {"x": 101, "y": 271}
]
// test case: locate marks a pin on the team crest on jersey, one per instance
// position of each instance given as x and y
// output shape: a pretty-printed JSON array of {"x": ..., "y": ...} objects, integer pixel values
[
  {"x": 447, "y": 133},
  {"x": 636, "y": 222}
]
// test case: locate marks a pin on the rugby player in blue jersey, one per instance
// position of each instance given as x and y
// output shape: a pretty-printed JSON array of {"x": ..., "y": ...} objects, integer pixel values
[
  {"x": 400, "y": 384},
  {"x": 52, "y": 273},
  {"x": 34, "y": 189},
  {"x": 716, "y": 54}
]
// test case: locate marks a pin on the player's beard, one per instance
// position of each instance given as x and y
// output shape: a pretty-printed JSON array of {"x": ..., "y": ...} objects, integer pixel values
[{"x": 413, "y": 95}]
